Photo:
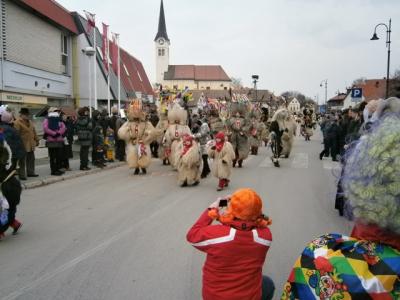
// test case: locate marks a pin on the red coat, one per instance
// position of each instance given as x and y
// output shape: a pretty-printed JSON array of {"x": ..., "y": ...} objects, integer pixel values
[{"x": 235, "y": 257}]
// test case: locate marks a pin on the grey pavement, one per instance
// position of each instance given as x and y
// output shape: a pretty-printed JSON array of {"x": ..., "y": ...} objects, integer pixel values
[
  {"x": 113, "y": 235},
  {"x": 42, "y": 168}
]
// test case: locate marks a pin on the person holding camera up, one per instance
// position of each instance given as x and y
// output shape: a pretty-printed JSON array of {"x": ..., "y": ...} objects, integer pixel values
[
  {"x": 236, "y": 248},
  {"x": 222, "y": 153}
]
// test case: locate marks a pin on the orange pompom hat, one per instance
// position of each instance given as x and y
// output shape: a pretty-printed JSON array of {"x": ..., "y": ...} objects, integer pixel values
[{"x": 245, "y": 204}]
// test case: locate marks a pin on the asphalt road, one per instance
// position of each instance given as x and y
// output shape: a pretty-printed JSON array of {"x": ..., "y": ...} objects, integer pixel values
[{"x": 112, "y": 235}]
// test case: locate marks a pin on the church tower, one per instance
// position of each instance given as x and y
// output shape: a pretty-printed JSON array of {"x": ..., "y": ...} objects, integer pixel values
[{"x": 162, "y": 44}]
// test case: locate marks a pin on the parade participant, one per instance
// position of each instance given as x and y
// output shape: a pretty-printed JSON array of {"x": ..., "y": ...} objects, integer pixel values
[
  {"x": 277, "y": 128},
  {"x": 98, "y": 141},
  {"x": 161, "y": 128},
  {"x": 10, "y": 192},
  {"x": 238, "y": 127},
  {"x": 216, "y": 123},
  {"x": 115, "y": 124},
  {"x": 137, "y": 133},
  {"x": 222, "y": 153},
  {"x": 27, "y": 132},
  {"x": 236, "y": 248},
  {"x": 83, "y": 129},
  {"x": 307, "y": 127},
  {"x": 54, "y": 130},
  {"x": 288, "y": 135},
  {"x": 177, "y": 127},
  {"x": 366, "y": 264},
  {"x": 203, "y": 137},
  {"x": 257, "y": 132},
  {"x": 189, "y": 162},
  {"x": 12, "y": 137}
]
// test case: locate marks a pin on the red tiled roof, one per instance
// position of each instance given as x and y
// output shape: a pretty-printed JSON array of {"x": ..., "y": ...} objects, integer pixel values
[
  {"x": 373, "y": 89},
  {"x": 54, "y": 11},
  {"x": 137, "y": 80},
  {"x": 339, "y": 97},
  {"x": 198, "y": 73}
]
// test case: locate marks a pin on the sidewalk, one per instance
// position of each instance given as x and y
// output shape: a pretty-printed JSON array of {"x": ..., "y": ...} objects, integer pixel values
[{"x": 42, "y": 168}]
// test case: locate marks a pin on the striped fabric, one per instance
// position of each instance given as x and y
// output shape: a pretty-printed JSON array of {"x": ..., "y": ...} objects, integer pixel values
[{"x": 334, "y": 266}]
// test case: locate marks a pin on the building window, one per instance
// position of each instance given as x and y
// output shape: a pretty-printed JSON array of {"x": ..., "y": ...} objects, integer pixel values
[
  {"x": 64, "y": 53},
  {"x": 161, "y": 52},
  {"x": 140, "y": 77}
]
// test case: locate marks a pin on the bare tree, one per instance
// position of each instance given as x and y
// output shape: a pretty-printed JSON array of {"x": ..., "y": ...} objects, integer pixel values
[
  {"x": 236, "y": 83},
  {"x": 359, "y": 81},
  {"x": 394, "y": 87}
]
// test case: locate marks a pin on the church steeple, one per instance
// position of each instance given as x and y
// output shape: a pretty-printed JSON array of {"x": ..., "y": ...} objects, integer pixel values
[{"x": 162, "y": 28}]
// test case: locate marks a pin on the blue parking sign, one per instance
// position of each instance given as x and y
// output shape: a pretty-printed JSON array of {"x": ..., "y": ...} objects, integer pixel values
[{"x": 356, "y": 93}]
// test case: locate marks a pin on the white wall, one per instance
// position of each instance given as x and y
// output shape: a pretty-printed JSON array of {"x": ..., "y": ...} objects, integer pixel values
[
  {"x": 83, "y": 74},
  {"x": 162, "y": 62},
  {"x": 201, "y": 85},
  {"x": 31, "y": 41},
  {"x": 20, "y": 78}
]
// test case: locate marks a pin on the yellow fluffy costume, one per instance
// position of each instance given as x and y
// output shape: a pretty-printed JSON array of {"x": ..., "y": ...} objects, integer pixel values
[
  {"x": 222, "y": 153},
  {"x": 137, "y": 134},
  {"x": 189, "y": 162},
  {"x": 288, "y": 136},
  {"x": 177, "y": 127},
  {"x": 161, "y": 128}
]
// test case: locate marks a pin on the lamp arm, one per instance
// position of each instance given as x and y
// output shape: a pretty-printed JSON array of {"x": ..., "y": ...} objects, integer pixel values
[{"x": 381, "y": 24}]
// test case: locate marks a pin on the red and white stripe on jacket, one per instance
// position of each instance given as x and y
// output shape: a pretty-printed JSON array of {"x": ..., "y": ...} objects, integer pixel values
[{"x": 235, "y": 256}]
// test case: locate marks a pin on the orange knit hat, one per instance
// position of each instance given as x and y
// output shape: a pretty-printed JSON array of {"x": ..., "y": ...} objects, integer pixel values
[{"x": 246, "y": 205}]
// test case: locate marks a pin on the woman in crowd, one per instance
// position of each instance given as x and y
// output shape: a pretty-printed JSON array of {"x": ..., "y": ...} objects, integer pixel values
[
  {"x": 365, "y": 265},
  {"x": 83, "y": 129},
  {"x": 54, "y": 130}
]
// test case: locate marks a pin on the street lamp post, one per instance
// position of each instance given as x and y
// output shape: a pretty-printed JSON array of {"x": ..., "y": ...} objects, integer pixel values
[
  {"x": 89, "y": 52},
  {"x": 325, "y": 81},
  {"x": 388, "y": 41},
  {"x": 255, "y": 80}
]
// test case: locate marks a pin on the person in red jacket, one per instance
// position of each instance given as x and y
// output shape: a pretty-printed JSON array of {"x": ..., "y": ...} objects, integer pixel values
[{"x": 236, "y": 248}]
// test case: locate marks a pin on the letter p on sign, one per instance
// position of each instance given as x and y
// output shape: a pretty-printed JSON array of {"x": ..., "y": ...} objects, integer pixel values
[{"x": 356, "y": 93}]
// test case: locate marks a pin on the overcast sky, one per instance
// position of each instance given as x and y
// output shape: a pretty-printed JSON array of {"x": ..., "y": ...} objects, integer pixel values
[{"x": 290, "y": 44}]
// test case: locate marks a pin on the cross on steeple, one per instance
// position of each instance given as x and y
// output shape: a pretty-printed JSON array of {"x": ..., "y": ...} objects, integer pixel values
[{"x": 162, "y": 28}]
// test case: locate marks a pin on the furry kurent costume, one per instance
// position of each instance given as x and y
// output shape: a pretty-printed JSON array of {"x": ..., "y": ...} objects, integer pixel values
[
  {"x": 137, "y": 134},
  {"x": 177, "y": 127},
  {"x": 258, "y": 131},
  {"x": 189, "y": 162},
  {"x": 277, "y": 128},
  {"x": 288, "y": 136},
  {"x": 161, "y": 128},
  {"x": 10, "y": 191},
  {"x": 222, "y": 153},
  {"x": 238, "y": 126}
]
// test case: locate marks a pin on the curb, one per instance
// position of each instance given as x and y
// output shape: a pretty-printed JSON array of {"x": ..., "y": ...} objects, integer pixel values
[{"x": 51, "y": 180}]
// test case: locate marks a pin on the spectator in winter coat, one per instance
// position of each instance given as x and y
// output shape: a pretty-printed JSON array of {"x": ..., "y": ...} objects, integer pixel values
[
  {"x": 83, "y": 129},
  {"x": 12, "y": 137},
  {"x": 366, "y": 264},
  {"x": 236, "y": 248},
  {"x": 68, "y": 141},
  {"x": 54, "y": 130},
  {"x": 27, "y": 131},
  {"x": 98, "y": 140}
]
